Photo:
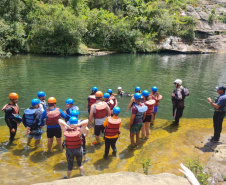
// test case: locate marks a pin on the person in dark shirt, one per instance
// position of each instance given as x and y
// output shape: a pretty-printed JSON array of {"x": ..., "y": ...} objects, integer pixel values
[
  {"x": 32, "y": 121},
  {"x": 12, "y": 117},
  {"x": 178, "y": 97},
  {"x": 220, "y": 109}
]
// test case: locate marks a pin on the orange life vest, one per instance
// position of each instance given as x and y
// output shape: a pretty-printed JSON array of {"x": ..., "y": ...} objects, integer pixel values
[
  {"x": 113, "y": 127},
  {"x": 52, "y": 117},
  {"x": 15, "y": 109},
  {"x": 91, "y": 100},
  {"x": 157, "y": 99},
  {"x": 101, "y": 110},
  {"x": 73, "y": 139},
  {"x": 150, "y": 104}
]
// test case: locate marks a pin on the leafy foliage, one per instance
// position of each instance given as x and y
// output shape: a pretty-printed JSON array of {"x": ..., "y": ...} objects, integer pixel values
[{"x": 61, "y": 26}]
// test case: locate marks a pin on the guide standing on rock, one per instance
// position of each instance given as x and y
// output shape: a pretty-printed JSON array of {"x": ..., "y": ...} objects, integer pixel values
[
  {"x": 220, "y": 109},
  {"x": 178, "y": 97}
]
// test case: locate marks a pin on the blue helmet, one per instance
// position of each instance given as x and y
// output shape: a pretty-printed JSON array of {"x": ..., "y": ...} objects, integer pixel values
[
  {"x": 73, "y": 120},
  {"x": 154, "y": 88},
  {"x": 35, "y": 102},
  {"x": 116, "y": 110},
  {"x": 41, "y": 94},
  {"x": 95, "y": 89},
  {"x": 109, "y": 91},
  {"x": 74, "y": 113},
  {"x": 145, "y": 93},
  {"x": 137, "y": 89},
  {"x": 137, "y": 96},
  {"x": 106, "y": 95},
  {"x": 69, "y": 101}
]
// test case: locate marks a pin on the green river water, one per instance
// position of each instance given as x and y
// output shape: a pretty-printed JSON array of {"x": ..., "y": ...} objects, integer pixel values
[{"x": 73, "y": 77}]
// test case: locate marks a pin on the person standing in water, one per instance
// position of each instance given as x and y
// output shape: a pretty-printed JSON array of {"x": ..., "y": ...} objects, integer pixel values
[
  {"x": 41, "y": 96},
  {"x": 136, "y": 120},
  {"x": 73, "y": 142},
  {"x": 219, "y": 113},
  {"x": 157, "y": 97},
  {"x": 112, "y": 125},
  {"x": 178, "y": 98},
  {"x": 99, "y": 110},
  {"x": 12, "y": 117},
  {"x": 109, "y": 101},
  {"x": 91, "y": 99},
  {"x": 32, "y": 121},
  {"x": 70, "y": 107},
  {"x": 52, "y": 116},
  {"x": 149, "y": 102},
  {"x": 132, "y": 101},
  {"x": 112, "y": 97}
]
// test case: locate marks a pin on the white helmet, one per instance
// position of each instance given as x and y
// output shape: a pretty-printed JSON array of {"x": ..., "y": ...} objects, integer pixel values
[
  {"x": 178, "y": 81},
  {"x": 119, "y": 88}
]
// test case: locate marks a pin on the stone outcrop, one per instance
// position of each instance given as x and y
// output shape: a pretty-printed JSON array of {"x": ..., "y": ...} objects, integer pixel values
[
  {"x": 210, "y": 37},
  {"x": 216, "y": 165},
  {"x": 122, "y": 178}
]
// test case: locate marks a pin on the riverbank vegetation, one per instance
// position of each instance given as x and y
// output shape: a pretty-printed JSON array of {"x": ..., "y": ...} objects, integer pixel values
[{"x": 62, "y": 26}]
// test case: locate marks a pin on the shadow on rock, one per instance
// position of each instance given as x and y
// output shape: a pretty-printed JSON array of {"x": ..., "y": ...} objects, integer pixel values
[
  {"x": 102, "y": 164},
  {"x": 209, "y": 147},
  {"x": 62, "y": 166},
  {"x": 171, "y": 128},
  {"x": 38, "y": 156}
]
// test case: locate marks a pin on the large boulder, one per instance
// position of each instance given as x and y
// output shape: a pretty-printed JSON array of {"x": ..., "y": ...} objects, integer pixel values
[{"x": 122, "y": 178}]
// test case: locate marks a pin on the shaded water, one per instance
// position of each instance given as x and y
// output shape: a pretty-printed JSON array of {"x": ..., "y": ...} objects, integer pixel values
[{"x": 74, "y": 77}]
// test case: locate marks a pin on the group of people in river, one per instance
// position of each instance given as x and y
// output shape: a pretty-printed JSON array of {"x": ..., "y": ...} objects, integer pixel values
[{"x": 104, "y": 109}]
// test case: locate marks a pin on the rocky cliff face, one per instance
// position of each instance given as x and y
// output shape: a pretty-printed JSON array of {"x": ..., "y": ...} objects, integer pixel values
[{"x": 210, "y": 30}]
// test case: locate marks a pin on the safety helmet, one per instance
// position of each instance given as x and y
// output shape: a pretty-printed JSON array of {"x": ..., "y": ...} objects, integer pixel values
[
  {"x": 154, "y": 89},
  {"x": 74, "y": 113},
  {"x": 116, "y": 110},
  {"x": 137, "y": 89},
  {"x": 178, "y": 81},
  {"x": 109, "y": 91},
  {"x": 98, "y": 94},
  {"x": 13, "y": 96},
  {"x": 69, "y": 101},
  {"x": 119, "y": 88},
  {"x": 52, "y": 100},
  {"x": 145, "y": 93},
  {"x": 73, "y": 120},
  {"x": 35, "y": 102},
  {"x": 41, "y": 94},
  {"x": 95, "y": 89},
  {"x": 106, "y": 95},
  {"x": 137, "y": 96}
]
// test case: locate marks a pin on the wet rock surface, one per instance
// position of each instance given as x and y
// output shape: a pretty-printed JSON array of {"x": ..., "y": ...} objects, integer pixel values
[{"x": 216, "y": 166}]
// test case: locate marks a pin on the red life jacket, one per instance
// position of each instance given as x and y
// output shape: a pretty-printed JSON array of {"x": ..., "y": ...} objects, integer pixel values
[
  {"x": 157, "y": 99},
  {"x": 113, "y": 99},
  {"x": 91, "y": 100},
  {"x": 110, "y": 103},
  {"x": 15, "y": 109},
  {"x": 52, "y": 117},
  {"x": 113, "y": 127},
  {"x": 73, "y": 139},
  {"x": 101, "y": 110},
  {"x": 150, "y": 104}
]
